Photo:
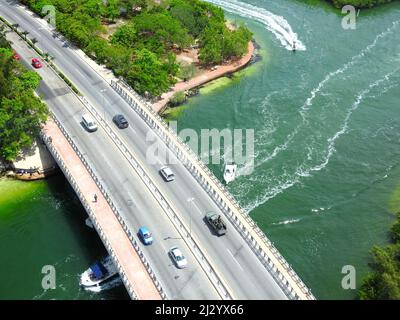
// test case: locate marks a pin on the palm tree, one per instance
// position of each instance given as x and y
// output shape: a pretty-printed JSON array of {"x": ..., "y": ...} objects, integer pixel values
[
  {"x": 34, "y": 41},
  {"x": 48, "y": 57},
  {"x": 25, "y": 33},
  {"x": 15, "y": 26}
]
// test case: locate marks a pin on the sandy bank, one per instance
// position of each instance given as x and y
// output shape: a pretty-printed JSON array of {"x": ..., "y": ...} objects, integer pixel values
[
  {"x": 208, "y": 76},
  {"x": 34, "y": 163}
]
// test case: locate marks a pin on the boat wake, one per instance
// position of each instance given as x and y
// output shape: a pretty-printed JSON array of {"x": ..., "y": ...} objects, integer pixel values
[
  {"x": 111, "y": 284},
  {"x": 344, "y": 128},
  {"x": 308, "y": 103},
  {"x": 304, "y": 170},
  {"x": 289, "y": 221},
  {"x": 317, "y": 90},
  {"x": 274, "y": 23}
]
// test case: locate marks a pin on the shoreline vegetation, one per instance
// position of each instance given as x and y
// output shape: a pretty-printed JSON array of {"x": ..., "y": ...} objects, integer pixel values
[
  {"x": 22, "y": 113},
  {"x": 359, "y": 3},
  {"x": 151, "y": 44},
  {"x": 183, "y": 89},
  {"x": 383, "y": 283}
]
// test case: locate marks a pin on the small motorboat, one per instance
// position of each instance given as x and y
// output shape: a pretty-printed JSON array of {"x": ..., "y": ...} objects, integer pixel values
[
  {"x": 99, "y": 273},
  {"x": 230, "y": 172}
]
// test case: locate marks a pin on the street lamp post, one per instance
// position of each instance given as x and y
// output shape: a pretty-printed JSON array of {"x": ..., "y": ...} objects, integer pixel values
[
  {"x": 104, "y": 108},
  {"x": 190, "y": 215}
]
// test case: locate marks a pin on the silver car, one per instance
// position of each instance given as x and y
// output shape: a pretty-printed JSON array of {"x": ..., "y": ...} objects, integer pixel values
[
  {"x": 177, "y": 256},
  {"x": 167, "y": 173}
]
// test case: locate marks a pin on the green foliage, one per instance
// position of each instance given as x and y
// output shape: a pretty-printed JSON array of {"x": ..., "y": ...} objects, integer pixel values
[
  {"x": 178, "y": 98},
  {"x": 128, "y": 6},
  {"x": 152, "y": 35},
  {"x": 395, "y": 231},
  {"x": 110, "y": 10},
  {"x": 162, "y": 30},
  {"x": 148, "y": 73},
  {"x": 359, "y": 3},
  {"x": 126, "y": 35},
  {"x": 3, "y": 41},
  {"x": 384, "y": 281},
  {"x": 187, "y": 71},
  {"x": 219, "y": 43},
  {"x": 190, "y": 14},
  {"x": 21, "y": 112}
]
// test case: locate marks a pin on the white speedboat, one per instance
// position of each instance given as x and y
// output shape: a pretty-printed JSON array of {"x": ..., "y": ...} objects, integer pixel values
[
  {"x": 99, "y": 273},
  {"x": 230, "y": 172}
]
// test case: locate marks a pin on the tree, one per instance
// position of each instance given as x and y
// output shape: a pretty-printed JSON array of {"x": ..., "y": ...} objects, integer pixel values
[
  {"x": 126, "y": 35},
  {"x": 359, "y": 3},
  {"x": 211, "y": 50},
  {"x": 25, "y": 33},
  {"x": 34, "y": 41},
  {"x": 4, "y": 43},
  {"x": 110, "y": 10},
  {"x": 160, "y": 27},
  {"x": 147, "y": 74},
  {"x": 21, "y": 112},
  {"x": 128, "y": 6},
  {"x": 395, "y": 231},
  {"x": 384, "y": 280},
  {"x": 235, "y": 42}
]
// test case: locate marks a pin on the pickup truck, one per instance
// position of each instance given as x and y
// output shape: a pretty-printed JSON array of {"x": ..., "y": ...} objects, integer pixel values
[{"x": 216, "y": 222}]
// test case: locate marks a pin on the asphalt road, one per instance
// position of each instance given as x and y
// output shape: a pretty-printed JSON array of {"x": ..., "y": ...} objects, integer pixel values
[
  {"x": 230, "y": 255},
  {"x": 136, "y": 204}
]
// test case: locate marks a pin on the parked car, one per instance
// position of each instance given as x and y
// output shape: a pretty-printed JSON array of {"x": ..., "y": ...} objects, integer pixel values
[
  {"x": 89, "y": 122},
  {"x": 36, "y": 63},
  {"x": 167, "y": 173},
  {"x": 16, "y": 56},
  {"x": 120, "y": 121},
  {"x": 177, "y": 256},
  {"x": 145, "y": 235}
]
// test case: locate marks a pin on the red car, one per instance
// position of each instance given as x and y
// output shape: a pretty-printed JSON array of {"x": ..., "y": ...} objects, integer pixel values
[
  {"x": 16, "y": 56},
  {"x": 36, "y": 63}
]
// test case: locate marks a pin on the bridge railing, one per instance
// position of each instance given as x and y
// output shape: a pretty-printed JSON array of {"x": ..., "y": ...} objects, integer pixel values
[
  {"x": 169, "y": 209},
  {"x": 92, "y": 216},
  {"x": 265, "y": 250}
]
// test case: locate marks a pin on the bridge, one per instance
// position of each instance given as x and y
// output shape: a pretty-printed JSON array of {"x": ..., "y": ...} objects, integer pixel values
[{"x": 244, "y": 264}]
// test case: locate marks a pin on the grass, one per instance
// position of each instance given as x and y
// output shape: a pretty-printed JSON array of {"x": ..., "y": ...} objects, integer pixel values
[{"x": 172, "y": 114}]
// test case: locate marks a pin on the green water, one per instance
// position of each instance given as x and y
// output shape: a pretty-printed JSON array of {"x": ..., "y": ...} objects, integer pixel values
[
  {"x": 43, "y": 223},
  {"x": 327, "y": 173}
]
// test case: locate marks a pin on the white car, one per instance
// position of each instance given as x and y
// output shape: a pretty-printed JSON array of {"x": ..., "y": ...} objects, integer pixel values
[
  {"x": 89, "y": 122},
  {"x": 167, "y": 173},
  {"x": 177, "y": 256}
]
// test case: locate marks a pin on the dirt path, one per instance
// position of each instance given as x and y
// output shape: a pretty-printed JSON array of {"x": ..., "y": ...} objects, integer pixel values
[{"x": 205, "y": 77}]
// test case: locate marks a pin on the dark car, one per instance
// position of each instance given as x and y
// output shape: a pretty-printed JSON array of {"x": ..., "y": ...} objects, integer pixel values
[{"x": 120, "y": 121}]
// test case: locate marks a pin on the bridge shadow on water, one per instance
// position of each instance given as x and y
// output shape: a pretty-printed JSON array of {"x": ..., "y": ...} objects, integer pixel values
[{"x": 90, "y": 245}]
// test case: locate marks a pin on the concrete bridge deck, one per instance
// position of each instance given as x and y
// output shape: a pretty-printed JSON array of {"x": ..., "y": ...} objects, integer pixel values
[{"x": 102, "y": 216}]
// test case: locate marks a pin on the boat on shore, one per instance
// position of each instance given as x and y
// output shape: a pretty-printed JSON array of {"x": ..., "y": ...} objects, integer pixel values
[
  {"x": 99, "y": 274},
  {"x": 230, "y": 172}
]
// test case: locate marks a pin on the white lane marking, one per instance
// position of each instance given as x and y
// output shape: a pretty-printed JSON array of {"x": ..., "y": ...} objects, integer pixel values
[
  {"x": 198, "y": 209},
  {"x": 233, "y": 257}
]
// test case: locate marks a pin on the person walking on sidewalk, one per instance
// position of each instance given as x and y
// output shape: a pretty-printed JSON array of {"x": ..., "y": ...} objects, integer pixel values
[{"x": 95, "y": 197}]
